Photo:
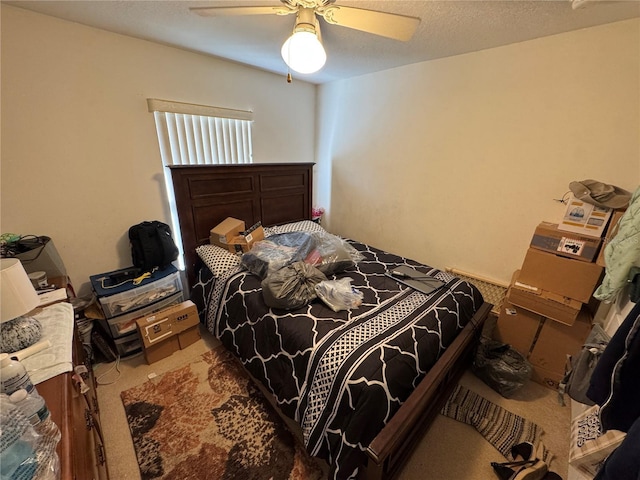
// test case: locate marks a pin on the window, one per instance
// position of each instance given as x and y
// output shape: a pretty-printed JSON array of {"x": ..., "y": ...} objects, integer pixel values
[{"x": 198, "y": 135}]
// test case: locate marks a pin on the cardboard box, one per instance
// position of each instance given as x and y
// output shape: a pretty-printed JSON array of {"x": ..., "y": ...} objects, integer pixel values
[
  {"x": 225, "y": 231},
  {"x": 584, "y": 218},
  {"x": 161, "y": 350},
  {"x": 185, "y": 315},
  {"x": 545, "y": 377},
  {"x": 563, "y": 276},
  {"x": 555, "y": 341},
  {"x": 549, "y": 238},
  {"x": 243, "y": 243},
  {"x": 517, "y": 327},
  {"x": 609, "y": 235},
  {"x": 547, "y": 304},
  {"x": 189, "y": 336},
  {"x": 160, "y": 331},
  {"x": 157, "y": 335}
]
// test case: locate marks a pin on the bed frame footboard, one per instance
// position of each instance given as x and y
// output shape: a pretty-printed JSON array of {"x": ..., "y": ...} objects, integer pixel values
[{"x": 389, "y": 451}]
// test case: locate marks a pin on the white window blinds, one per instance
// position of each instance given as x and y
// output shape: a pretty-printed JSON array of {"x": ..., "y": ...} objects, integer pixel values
[
  {"x": 198, "y": 135},
  {"x": 201, "y": 135}
]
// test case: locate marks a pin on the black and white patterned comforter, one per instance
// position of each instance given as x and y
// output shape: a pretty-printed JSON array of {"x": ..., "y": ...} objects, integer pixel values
[{"x": 342, "y": 375}]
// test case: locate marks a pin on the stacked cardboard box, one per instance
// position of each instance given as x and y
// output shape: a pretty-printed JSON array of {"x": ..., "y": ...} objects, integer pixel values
[
  {"x": 547, "y": 313},
  {"x": 169, "y": 330},
  {"x": 232, "y": 235}
]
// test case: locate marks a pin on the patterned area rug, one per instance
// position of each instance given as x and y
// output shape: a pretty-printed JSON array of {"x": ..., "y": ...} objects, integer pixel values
[{"x": 207, "y": 420}]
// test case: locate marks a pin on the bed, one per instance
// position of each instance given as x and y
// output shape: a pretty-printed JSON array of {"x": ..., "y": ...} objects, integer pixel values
[{"x": 363, "y": 384}]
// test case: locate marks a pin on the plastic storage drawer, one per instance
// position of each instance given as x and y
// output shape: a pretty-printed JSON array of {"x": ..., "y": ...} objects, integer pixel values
[
  {"x": 124, "y": 324},
  {"x": 136, "y": 298},
  {"x": 129, "y": 344}
]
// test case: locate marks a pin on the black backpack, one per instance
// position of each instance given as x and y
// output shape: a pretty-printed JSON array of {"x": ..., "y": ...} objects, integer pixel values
[{"x": 152, "y": 245}]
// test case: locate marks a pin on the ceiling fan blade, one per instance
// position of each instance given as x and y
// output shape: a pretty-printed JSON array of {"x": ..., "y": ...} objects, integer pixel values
[
  {"x": 236, "y": 11},
  {"x": 391, "y": 25}
]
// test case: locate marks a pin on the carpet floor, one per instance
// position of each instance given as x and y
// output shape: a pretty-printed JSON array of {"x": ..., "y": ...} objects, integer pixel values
[{"x": 450, "y": 450}]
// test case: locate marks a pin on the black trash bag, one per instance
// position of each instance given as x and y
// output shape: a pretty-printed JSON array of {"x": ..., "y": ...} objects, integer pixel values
[
  {"x": 292, "y": 286},
  {"x": 501, "y": 367}
]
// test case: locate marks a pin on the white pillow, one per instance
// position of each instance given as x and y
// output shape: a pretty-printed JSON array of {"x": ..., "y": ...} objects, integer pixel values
[
  {"x": 301, "y": 226},
  {"x": 217, "y": 259}
]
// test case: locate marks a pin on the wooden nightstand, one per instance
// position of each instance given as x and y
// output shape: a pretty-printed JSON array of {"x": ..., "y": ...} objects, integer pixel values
[{"x": 72, "y": 400}]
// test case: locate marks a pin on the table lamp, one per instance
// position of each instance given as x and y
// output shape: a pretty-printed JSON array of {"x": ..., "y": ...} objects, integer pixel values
[{"x": 17, "y": 331}]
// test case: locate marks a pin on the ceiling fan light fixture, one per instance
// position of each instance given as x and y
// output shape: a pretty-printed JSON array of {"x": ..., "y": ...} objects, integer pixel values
[{"x": 303, "y": 51}]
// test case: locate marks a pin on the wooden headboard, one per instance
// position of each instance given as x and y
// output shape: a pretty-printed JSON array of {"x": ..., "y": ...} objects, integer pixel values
[{"x": 273, "y": 193}]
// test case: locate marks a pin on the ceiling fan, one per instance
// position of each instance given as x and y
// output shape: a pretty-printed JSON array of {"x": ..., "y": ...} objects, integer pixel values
[{"x": 303, "y": 50}]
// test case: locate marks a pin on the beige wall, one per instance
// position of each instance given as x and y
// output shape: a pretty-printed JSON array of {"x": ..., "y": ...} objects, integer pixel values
[
  {"x": 454, "y": 162},
  {"x": 80, "y": 159}
]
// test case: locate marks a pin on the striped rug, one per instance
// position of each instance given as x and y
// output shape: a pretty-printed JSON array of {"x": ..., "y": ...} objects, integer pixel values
[{"x": 498, "y": 426}]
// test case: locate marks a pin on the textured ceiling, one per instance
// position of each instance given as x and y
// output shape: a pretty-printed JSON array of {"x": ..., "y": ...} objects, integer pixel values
[{"x": 447, "y": 28}]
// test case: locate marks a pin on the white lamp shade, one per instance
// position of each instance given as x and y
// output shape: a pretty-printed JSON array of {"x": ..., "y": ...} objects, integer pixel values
[
  {"x": 18, "y": 294},
  {"x": 303, "y": 52}
]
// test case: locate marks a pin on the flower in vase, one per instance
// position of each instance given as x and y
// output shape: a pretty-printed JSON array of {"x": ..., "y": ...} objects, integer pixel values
[{"x": 316, "y": 213}]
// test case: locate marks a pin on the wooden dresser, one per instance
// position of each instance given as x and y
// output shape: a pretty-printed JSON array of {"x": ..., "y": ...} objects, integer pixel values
[{"x": 74, "y": 408}]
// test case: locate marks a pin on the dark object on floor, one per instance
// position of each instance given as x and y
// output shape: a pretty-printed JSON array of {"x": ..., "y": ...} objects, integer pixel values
[
  {"x": 501, "y": 367},
  {"x": 534, "y": 469},
  {"x": 614, "y": 382},
  {"x": 104, "y": 348},
  {"x": 552, "y": 476},
  {"x": 522, "y": 451},
  {"x": 624, "y": 462}
]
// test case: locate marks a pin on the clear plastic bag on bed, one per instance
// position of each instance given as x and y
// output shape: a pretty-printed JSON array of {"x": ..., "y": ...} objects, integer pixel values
[
  {"x": 332, "y": 254},
  {"x": 501, "y": 367},
  {"x": 339, "y": 294},
  {"x": 277, "y": 251},
  {"x": 292, "y": 286}
]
